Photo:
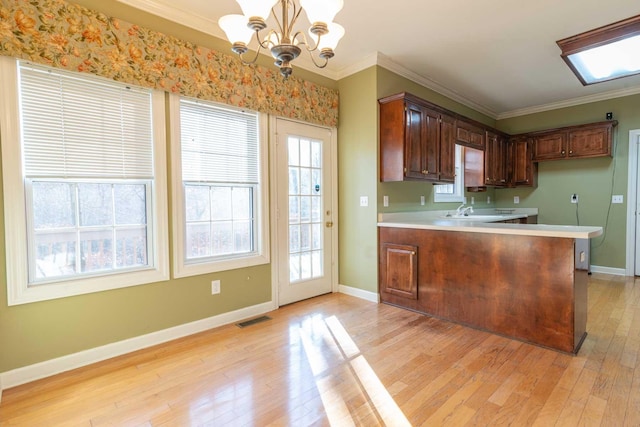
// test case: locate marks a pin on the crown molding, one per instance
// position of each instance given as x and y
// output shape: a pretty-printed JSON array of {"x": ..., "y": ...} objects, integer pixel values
[
  {"x": 570, "y": 102},
  {"x": 386, "y": 62},
  {"x": 177, "y": 15}
]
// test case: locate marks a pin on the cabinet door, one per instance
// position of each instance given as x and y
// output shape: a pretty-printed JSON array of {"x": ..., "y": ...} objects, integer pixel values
[
  {"x": 474, "y": 165},
  {"x": 447, "y": 149},
  {"x": 401, "y": 270},
  {"x": 590, "y": 142},
  {"x": 523, "y": 170},
  {"x": 431, "y": 144},
  {"x": 469, "y": 135},
  {"x": 495, "y": 160},
  {"x": 550, "y": 146},
  {"x": 414, "y": 147}
]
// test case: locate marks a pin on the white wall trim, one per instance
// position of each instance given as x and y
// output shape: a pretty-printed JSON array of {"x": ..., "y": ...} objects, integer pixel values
[
  {"x": 569, "y": 102},
  {"x": 386, "y": 62},
  {"x": 47, "y": 368},
  {"x": 632, "y": 191},
  {"x": 359, "y": 293},
  {"x": 608, "y": 270}
]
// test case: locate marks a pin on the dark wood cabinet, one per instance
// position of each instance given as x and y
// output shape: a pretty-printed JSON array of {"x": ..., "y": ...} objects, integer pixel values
[
  {"x": 416, "y": 141},
  {"x": 400, "y": 274},
  {"x": 523, "y": 172},
  {"x": 495, "y": 160},
  {"x": 447, "y": 149},
  {"x": 583, "y": 141},
  {"x": 529, "y": 288},
  {"x": 470, "y": 135}
]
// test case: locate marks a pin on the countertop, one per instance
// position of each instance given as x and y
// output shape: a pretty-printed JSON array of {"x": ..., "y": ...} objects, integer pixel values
[{"x": 437, "y": 220}]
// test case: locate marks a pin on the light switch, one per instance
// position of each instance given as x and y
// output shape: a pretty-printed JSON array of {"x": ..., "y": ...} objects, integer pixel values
[{"x": 516, "y": 200}]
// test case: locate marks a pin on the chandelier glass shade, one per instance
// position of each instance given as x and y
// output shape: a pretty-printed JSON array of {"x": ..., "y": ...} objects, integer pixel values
[{"x": 285, "y": 41}]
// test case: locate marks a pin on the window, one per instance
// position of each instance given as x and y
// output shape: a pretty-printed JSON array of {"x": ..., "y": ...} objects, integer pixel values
[
  {"x": 220, "y": 207},
  {"x": 452, "y": 192},
  {"x": 88, "y": 161},
  {"x": 606, "y": 53}
]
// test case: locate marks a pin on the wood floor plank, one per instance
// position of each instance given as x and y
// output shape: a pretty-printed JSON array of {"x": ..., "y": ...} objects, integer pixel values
[{"x": 338, "y": 360}]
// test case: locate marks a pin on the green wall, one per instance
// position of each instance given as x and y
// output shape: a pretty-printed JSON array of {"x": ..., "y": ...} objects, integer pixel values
[
  {"x": 594, "y": 180},
  {"x": 357, "y": 176}
]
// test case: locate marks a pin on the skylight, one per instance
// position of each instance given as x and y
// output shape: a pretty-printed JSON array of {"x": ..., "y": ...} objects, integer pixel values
[{"x": 606, "y": 53}]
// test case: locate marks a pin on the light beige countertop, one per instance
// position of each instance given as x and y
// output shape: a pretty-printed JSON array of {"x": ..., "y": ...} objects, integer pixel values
[{"x": 484, "y": 223}]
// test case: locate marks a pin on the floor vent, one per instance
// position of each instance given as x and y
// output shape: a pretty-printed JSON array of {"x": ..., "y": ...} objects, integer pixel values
[{"x": 253, "y": 321}]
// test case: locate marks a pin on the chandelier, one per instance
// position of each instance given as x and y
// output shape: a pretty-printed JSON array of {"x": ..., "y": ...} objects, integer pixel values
[{"x": 284, "y": 44}]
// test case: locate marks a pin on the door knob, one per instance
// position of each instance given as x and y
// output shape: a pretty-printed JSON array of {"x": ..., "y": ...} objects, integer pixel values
[{"x": 329, "y": 224}]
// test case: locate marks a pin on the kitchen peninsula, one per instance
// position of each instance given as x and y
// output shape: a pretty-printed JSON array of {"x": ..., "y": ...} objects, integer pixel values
[{"x": 523, "y": 281}]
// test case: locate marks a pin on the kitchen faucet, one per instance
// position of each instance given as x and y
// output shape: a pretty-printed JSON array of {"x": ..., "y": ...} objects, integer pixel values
[{"x": 462, "y": 211}]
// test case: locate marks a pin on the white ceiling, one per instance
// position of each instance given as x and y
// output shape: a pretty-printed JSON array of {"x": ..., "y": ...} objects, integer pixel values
[{"x": 497, "y": 56}]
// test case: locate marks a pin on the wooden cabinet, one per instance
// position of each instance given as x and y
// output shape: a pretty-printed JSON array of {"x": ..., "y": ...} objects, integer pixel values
[
  {"x": 474, "y": 169},
  {"x": 523, "y": 287},
  {"x": 584, "y": 141},
  {"x": 416, "y": 141},
  {"x": 523, "y": 172},
  {"x": 400, "y": 274},
  {"x": 470, "y": 135},
  {"x": 447, "y": 158},
  {"x": 495, "y": 160}
]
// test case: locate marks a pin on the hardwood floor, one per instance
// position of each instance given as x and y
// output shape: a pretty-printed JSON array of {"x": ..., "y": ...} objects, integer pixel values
[{"x": 337, "y": 360}]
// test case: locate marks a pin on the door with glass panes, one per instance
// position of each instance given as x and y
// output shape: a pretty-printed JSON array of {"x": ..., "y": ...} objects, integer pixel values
[{"x": 304, "y": 211}]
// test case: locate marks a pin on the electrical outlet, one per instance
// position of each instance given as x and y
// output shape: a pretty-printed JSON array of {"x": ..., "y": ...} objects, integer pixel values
[
  {"x": 385, "y": 201},
  {"x": 574, "y": 198},
  {"x": 215, "y": 287},
  {"x": 516, "y": 200},
  {"x": 618, "y": 198},
  {"x": 421, "y": 200},
  {"x": 473, "y": 200},
  {"x": 488, "y": 200},
  {"x": 364, "y": 201}
]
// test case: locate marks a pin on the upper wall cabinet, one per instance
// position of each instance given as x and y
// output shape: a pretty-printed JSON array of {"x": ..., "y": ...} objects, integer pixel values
[
  {"x": 495, "y": 160},
  {"x": 417, "y": 142},
  {"x": 470, "y": 135},
  {"x": 590, "y": 140},
  {"x": 523, "y": 172}
]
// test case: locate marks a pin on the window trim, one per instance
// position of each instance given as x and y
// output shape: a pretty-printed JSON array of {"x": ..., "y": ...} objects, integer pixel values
[
  {"x": 18, "y": 289},
  {"x": 184, "y": 268}
]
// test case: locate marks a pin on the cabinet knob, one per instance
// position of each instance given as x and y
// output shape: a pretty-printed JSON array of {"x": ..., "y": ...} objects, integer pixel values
[
  {"x": 571, "y": 152},
  {"x": 562, "y": 151}
]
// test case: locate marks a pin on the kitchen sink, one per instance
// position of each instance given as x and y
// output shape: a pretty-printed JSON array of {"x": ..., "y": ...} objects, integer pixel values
[{"x": 485, "y": 218}]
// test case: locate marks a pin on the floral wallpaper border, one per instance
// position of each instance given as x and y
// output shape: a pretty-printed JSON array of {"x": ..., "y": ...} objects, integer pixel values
[{"x": 69, "y": 36}]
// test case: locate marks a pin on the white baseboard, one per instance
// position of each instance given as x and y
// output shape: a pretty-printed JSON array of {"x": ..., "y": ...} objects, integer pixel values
[
  {"x": 65, "y": 363},
  {"x": 608, "y": 270},
  {"x": 359, "y": 293}
]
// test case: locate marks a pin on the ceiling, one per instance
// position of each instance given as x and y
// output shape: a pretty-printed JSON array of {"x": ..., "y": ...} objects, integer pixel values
[{"x": 497, "y": 56}]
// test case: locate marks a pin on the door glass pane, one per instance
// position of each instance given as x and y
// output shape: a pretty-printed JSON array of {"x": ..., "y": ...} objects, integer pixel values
[{"x": 305, "y": 209}]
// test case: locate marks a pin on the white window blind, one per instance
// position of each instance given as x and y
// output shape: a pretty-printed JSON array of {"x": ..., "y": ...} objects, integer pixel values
[
  {"x": 63, "y": 114},
  {"x": 219, "y": 145}
]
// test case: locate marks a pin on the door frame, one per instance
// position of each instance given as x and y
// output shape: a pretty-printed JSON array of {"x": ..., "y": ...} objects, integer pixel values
[
  {"x": 273, "y": 202},
  {"x": 632, "y": 188}
]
